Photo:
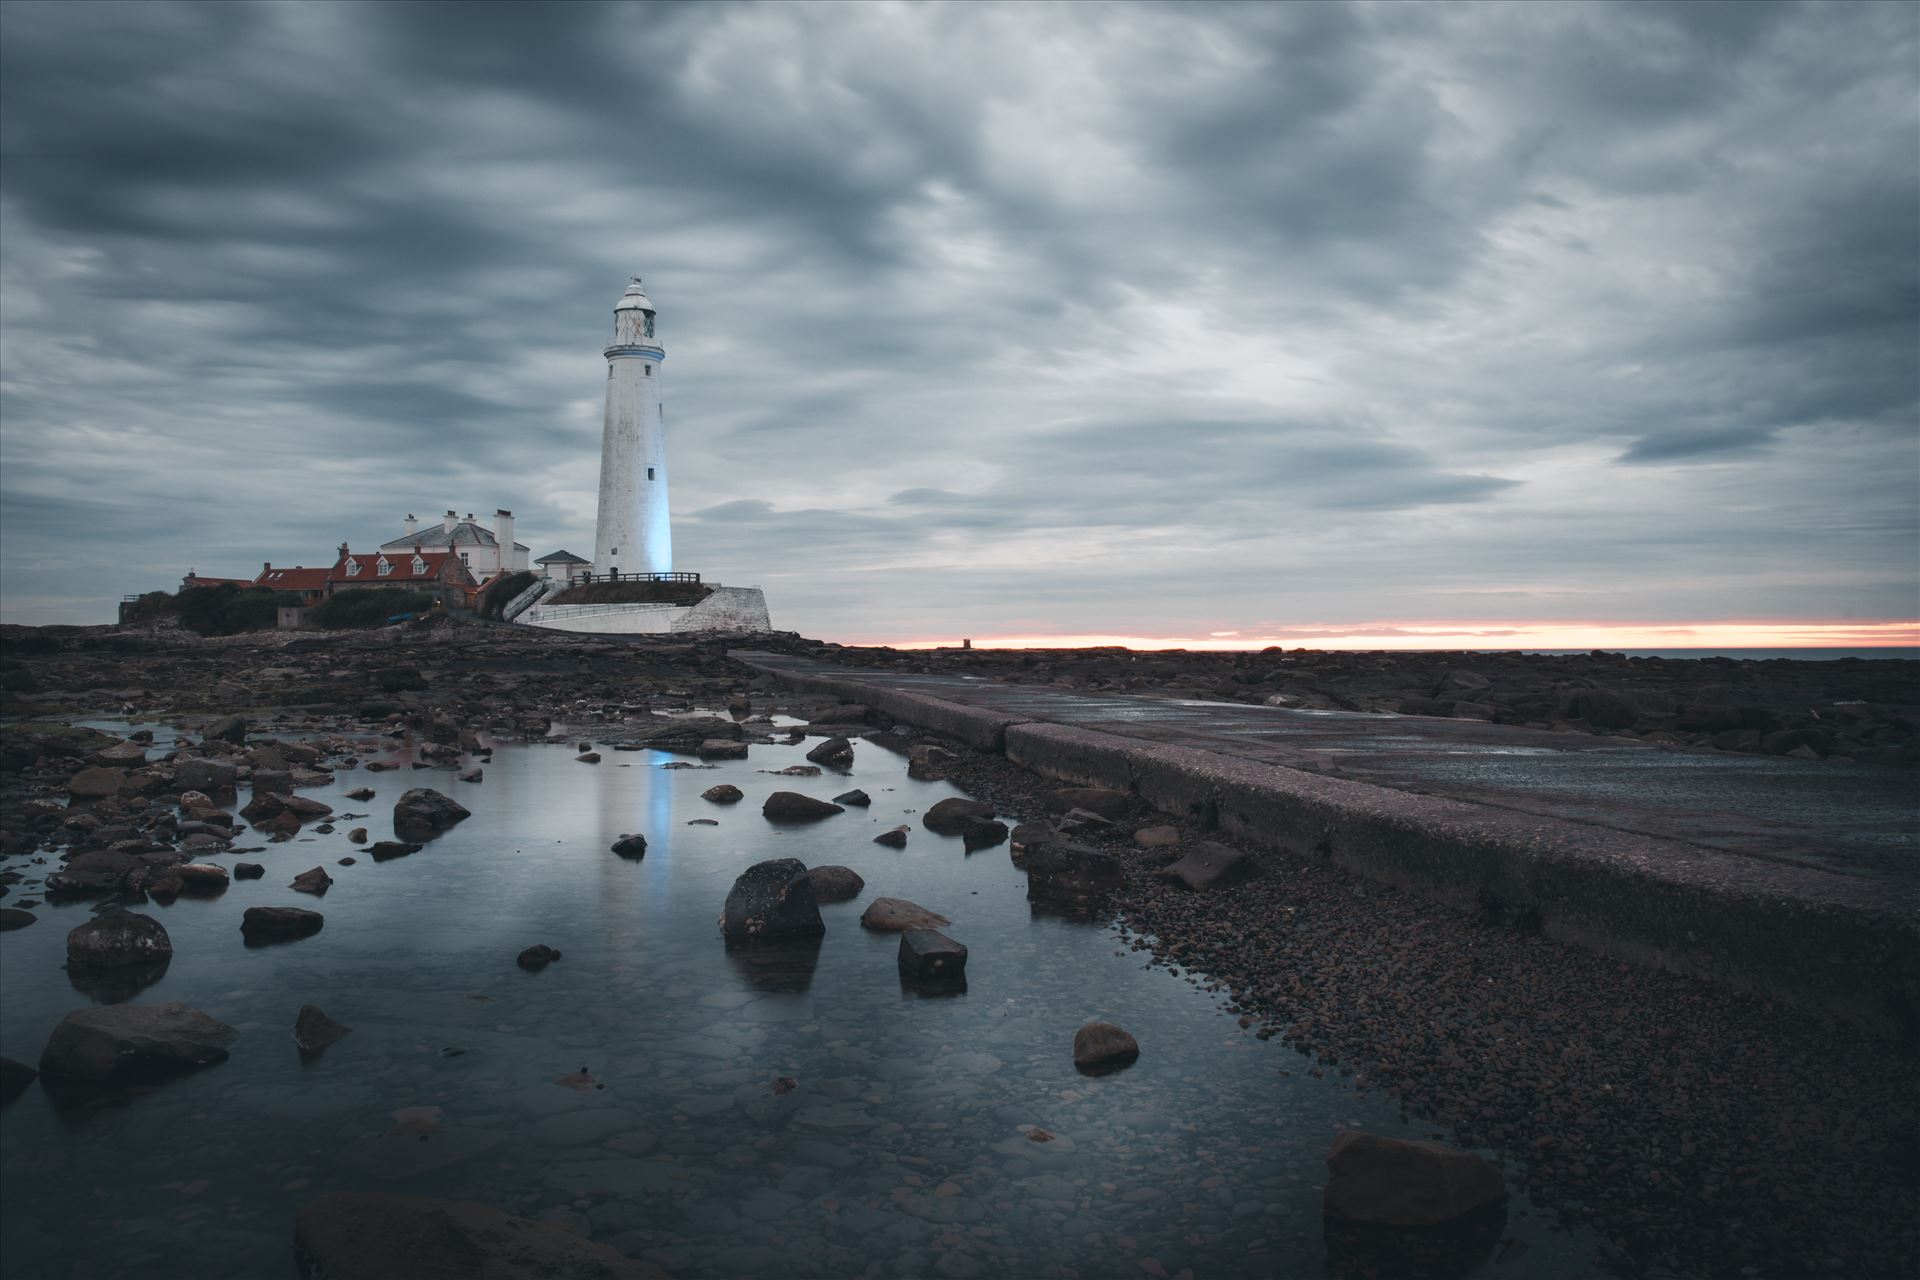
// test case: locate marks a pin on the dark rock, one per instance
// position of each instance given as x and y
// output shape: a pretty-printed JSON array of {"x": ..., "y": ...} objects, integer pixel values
[
  {"x": 14, "y": 1079},
  {"x": 398, "y": 680},
  {"x": 248, "y": 871},
  {"x": 927, "y": 955},
  {"x": 772, "y": 901},
  {"x": 315, "y": 880},
  {"x": 1058, "y": 870},
  {"x": 358, "y": 835},
  {"x": 835, "y": 752},
  {"x": 858, "y": 799},
  {"x": 536, "y": 958},
  {"x": 589, "y": 757},
  {"x": 1447, "y": 708},
  {"x": 1400, "y": 1183},
  {"x": 471, "y": 775},
  {"x": 201, "y": 877},
  {"x": 835, "y": 884},
  {"x": 1157, "y": 837},
  {"x": 116, "y": 938},
  {"x": 272, "y": 923},
  {"x": 949, "y": 817},
  {"x": 127, "y": 1041},
  {"x": 1208, "y": 865},
  {"x": 725, "y": 793},
  {"x": 96, "y": 783},
  {"x": 721, "y": 749},
  {"x": 314, "y": 1030},
  {"x": 1108, "y": 803},
  {"x": 1601, "y": 708},
  {"x": 90, "y": 873},
  {"x": 893, "y": 915},
  {"x": 388, "y": 850},
  {"x": 1101, "y": 1046},
  {"x": 13, "y": 918},
  {"x": 227, "y": 729},
  {"x": 791, "y": 806},
  {"x": 896, "y": 838},
  {"x": 369, "y": 1236},
  {"x": 983, "y": 833},
  {"x": 423, "y": 813},
  {"x": 1461, "y": 683},
  {"x": 214, "y": 777},
  {"x": 630, "y": 846},
  {"x": 846, "y": 713},
  {"x": 929, "y": 763},
  {"x": 361, "y": 794}
]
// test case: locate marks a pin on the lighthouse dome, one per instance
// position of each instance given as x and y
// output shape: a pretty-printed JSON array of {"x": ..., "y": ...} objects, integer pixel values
[{"x": 635, "y": 298}]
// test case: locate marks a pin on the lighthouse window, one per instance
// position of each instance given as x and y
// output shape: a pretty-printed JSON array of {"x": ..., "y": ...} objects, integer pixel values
[
  {"x": 649, "y": 473},
  {"x": 648, "y": 368},
  {"x": 649, "y": 326}
]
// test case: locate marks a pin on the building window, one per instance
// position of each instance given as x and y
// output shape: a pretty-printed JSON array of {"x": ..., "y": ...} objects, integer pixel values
[
  {"x": 381, "y": 567},
  {"x": 420, "y": 566},
  {"x": 353, "y": 568},
  {"x": 463, "y": 558}
]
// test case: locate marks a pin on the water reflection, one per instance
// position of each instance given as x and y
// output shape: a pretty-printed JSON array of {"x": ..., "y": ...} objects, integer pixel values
[
  {"x": 117, "y": 986},
  {"x": 779, "y": 969}
]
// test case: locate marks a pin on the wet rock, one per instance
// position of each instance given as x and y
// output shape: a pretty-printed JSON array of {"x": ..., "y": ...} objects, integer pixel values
[
  {"x": 835, "y": 752},
  {"x": 835, "y": 884},
  {"x": 893, "y": 915},
  {"x": 1108, "y": 803},
  {"x": 857, "y": 799},
  {"x": 896, "y": 838},
  {"x": 1059, "y": 870},
  {"x": 724, "y": 793},
  {"x": 1208, "y": 865},
  {"x": 930, "y": 763},
  {"x": 791, "y": 806},
  {"x": 721, "y": 749},
  {"x": 368, "y": 1236},
  {"x": 117, "y": 938},
  {"x": 1161, "y": 837},
  {"x": 248, "y": 871},
  {"x": 277, "y": 923},
  {"x": 949, "y": 817},
  {"x": 630, "y": 846},
  {"x": 129, "y": 1041},
  {"x": 1400, "y": 1183},
  {"x": 588, "y": 757},
  {"x": 1025, "y": 836},
  {"x": 201, "y": 877},
  {"x": 1101, "y": 1046},
  {"x": 214, "y": 777},
  {"x": 772, "y": 901},
  {"x": 423, "y": 813},
  {"x": 927, "y": 955},
  {"x": 121, "y": 755},
  {"x": 983, "y": 833},
  {"x": 471, "y": 775},
  {"x": 314, "y": 1030},
  {"x": 358, "y": 835},
  {"x": 96, "y": 783},
  {"x": 226, "y": 729},
  {"x": 388, "y": 850},
  {"x": 361, "y": 794},
  {"x": 1081, "y": 822},
  {"x": 13, "y": 918},
  {"x": 14, "y": 1079},
  {"x": 315, "y": 880},
  {"x": 536, "y": 957}
]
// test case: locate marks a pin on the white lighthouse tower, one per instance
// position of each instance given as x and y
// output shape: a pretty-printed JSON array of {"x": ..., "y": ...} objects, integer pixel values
[{"x": 633, "y": 534}]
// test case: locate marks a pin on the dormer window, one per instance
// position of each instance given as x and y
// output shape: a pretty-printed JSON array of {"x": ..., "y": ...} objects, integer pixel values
[
  {"x": 353, "y": 568},
  {"x": 382, "y": 566},
  {"x": 420, "y": 566}
]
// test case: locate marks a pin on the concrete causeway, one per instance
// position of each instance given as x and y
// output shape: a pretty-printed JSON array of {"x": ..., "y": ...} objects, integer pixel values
[{"x": 1796, "y": 879}]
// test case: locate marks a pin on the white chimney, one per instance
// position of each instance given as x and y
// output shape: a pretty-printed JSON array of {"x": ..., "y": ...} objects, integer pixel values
[
  {"x": 503, "y": 530},
  {"x": 447, "y": 523},
  {"x": 411, "y": 524}
]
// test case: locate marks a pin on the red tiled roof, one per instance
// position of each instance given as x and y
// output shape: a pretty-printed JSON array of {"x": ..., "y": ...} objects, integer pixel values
[
  {"x": 400, "y": 568},
  {"x": 296, "y": 579}
]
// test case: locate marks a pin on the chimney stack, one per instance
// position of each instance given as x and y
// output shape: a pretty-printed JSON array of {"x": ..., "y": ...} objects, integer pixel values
[
  {"x": 410, "y": 524},
  {"x": 447, "y": 522},
  {"x": 343, "y": 551},
  {"x": 503, "y": 530}
]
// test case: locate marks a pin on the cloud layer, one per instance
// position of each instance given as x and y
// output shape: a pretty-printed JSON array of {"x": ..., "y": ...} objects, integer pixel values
[{"x": 984, "y": 319}]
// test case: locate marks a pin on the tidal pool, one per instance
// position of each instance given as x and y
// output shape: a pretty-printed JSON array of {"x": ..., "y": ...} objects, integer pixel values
[{"x": 903, "y": 1150}]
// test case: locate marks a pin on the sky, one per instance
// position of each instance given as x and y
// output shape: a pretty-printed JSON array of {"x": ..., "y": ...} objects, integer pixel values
[{"x": 1247, "y": 323}]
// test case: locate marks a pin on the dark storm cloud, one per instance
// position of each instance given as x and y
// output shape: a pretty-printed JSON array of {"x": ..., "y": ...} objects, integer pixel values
[{"x": 1037, "y": 316}]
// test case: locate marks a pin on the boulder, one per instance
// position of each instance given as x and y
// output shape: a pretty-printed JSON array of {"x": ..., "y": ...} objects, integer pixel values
[
  {"x": 893, "y": 915},
  {"x": 211, "y": 776},
  {"x": 226, "y": 729},
  {"x": 96, "y": 783},
  {"x": 927, "y": 955},
  {"x": 388, "y": 850},
  {"x": 1401, "y": 1183},
  {"x": 374, "y": 1236},
  {"x": 772, "y": 901},
  {"x": 471, "y": 775},
  {"x": 588, "y": 757},
  {"x": 835, "y": 752},
  {"x": 14, "y": 1079},
  {"x": 1208, "y": 865},
  {"x": 791, "y": 806},
  {"x": 858, "y": 799},
  {"x": 361, "y": 794},
  {"x": 248, "y": 871},
  {"x": 631, "y": 846},
  {"x": 1078, "y": 822},
  {"x": 536, "y": 957},
  {"x": 1059, "y": 870},
  {"x": 835, "y": 884},
  {"x": 121, "y": 755},
  {"x": 949, "y": 817},
  {"x": 274, "y": 923},
  {"x": 14, "y": 918},
  {"x": 423, "y": 813},
  {"x": 314, "y": 880},
  {"x": 132, "y": 1040},
  {"x": 983, "y": 833},
  {"x": 263, "y": 806},
  {"x": 358, "y": 835},
  {"x": 1448, "y": 708},
  {"x": 305, "y": 808},
  {"x": 314, "y": 1030},
  {"x": 201, "y": 877},
  {"x": 724, "y": 793},
  {"x": 1601, "y": 708},
  {"x": 721, "y": 749},
  {"x": 1108, "y": 803},
  {"x": 1461, "y": 684},
  {"x": 278, "y": 782},
  {"x": 398, "y": 679},
  {"x": 1101, "y": 1046},
  {"x": 114, "y": 939},
  {"x": 896, "y": 838},
  {"x": 929, "y": 763}
]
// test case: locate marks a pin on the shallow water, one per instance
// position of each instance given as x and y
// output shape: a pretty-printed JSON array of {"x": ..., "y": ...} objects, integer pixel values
[{"x": 902, "y": 1151}]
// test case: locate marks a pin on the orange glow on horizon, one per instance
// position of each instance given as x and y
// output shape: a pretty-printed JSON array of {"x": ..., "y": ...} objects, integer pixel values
[{"x": 1481, "y": 635}]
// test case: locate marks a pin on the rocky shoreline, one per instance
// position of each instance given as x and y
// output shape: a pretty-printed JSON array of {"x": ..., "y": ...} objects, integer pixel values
[{"x": 1701, "y": 1132}]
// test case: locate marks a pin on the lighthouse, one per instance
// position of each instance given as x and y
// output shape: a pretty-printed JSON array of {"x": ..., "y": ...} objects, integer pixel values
[{"x": 633, "y": 534}]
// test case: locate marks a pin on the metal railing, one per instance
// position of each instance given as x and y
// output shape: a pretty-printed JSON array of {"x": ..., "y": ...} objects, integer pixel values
[{"x": 614, "y": 575}]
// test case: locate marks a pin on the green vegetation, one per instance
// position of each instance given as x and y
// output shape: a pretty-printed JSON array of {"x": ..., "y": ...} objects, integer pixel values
[
  {"x": 501, "y": 591},
  {"x": 227, "y": 609},
  {"x": 367, "y": 608},
  {"x": 150, "y": 607}
]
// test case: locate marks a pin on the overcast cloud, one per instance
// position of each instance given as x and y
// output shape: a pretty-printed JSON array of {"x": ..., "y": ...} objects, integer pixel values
[{"x": 984, "y": 319}]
